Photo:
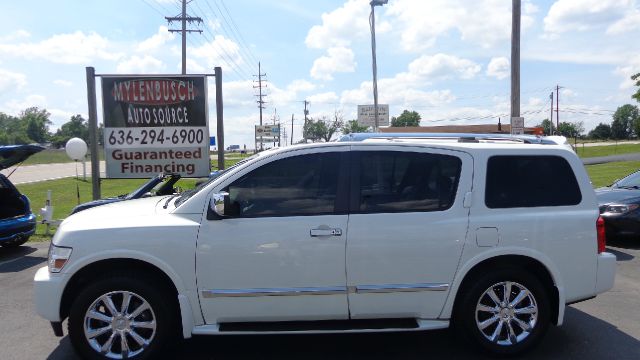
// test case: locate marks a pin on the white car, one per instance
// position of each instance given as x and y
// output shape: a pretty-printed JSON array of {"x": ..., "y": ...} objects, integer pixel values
[{"x": 494, "y": 237}]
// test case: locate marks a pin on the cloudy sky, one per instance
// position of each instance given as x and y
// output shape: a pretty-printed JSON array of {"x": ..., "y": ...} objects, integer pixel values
[{"x": 446, "y": 59}]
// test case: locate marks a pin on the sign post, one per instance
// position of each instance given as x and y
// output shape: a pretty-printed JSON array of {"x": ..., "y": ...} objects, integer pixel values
[{"x": 155, "y": 124}]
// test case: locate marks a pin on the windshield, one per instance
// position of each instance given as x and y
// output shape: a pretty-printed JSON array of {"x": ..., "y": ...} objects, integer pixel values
[
  {"x": 189, "y": 193},
  {"x": 631, "y": 181}
]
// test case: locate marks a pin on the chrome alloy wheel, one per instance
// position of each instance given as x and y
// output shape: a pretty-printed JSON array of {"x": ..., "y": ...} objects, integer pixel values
[
  {"x": 506, "y": 313},
  {"x": 119, "y": 325}
]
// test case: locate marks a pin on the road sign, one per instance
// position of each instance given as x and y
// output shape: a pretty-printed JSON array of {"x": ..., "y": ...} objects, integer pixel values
[
  {"x": 517, "y": 125},
  {"x": 367, "y": 117},
  {"x": 267, "y": 130}
]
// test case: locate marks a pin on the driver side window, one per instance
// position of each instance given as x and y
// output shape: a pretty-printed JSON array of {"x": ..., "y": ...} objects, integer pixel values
[{"x": 298, "y": 185}]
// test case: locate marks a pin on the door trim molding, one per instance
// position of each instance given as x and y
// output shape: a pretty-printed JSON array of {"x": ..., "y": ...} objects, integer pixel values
[
  {"x": 393, "y": 288},
  {"x": 328, "y": 290}
]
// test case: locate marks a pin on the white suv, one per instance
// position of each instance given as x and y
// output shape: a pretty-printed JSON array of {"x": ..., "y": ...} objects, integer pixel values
[{"x": 494, "y": 237}]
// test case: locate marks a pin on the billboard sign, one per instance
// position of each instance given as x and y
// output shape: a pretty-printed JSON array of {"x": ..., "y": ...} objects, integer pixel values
[
  {"x": 155, "y": 124},
  {"x": 367, "y": 117},
  {"x": 267, "y": 134}
]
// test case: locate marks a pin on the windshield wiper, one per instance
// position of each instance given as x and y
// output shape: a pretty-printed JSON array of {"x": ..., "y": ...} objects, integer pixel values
[{"x": 166, "y": 203}]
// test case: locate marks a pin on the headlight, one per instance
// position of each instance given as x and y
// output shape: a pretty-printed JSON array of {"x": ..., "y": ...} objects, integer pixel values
[
  {"x": 615, "y": 209},
  {"x": 58, "y": 257}
]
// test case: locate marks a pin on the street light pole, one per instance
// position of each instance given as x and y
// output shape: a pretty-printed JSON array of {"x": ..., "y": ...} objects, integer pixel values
[{"x": 372, "y": 23}]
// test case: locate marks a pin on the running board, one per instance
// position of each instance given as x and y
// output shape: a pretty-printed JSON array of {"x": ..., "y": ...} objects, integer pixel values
[{"x": 321, "y": 326}]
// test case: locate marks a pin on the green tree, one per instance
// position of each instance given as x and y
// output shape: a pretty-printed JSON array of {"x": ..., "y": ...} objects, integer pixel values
[
  {"x": 625, "y": 122},
  {"x": 636, "y": 78},
  {"x": 571, "y": 130},
  {"x": 600, "y": 132},
  {"x": 406, "y": 119},
  {"x": 37, "y": 124},
  {"x": 77, "y": 126},
  {"x": 324, "y": 128},
  {"x": 546, "y": 126},
  {"x": 352, "y": 126},
  {"x": 12, "y": 130}
]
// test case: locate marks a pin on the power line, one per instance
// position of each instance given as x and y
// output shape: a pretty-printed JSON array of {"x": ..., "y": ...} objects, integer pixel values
[
  {"x": 238, "y": 32},
  {"x": 242, "y": 46},
  {"x": 223, "y": 53}
]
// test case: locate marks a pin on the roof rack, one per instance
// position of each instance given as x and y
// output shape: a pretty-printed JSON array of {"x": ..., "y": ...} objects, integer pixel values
[{"x": 460, "y": 137}]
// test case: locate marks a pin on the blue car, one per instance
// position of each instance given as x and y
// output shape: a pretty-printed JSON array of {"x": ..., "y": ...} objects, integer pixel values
[{"x": 17, "y": 222}]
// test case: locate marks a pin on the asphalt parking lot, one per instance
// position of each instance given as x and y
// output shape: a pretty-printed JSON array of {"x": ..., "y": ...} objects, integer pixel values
[{"x": 607, "y": 327}]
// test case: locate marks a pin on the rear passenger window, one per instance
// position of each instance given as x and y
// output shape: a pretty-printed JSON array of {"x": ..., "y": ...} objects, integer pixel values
[
  {"x": 530, "y": 181},
  {"x": 393, "y": 181}
]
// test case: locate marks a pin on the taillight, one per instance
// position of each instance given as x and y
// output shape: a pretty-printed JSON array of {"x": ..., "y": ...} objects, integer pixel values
[{"x": 602, "y": 237}]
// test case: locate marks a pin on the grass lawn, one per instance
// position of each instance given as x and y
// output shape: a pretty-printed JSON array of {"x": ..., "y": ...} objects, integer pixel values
[
  {"x": 605, "y": 174},
  {"x": 64, "y": 194},
  {"x": 51, "y": 156},
  {"x": 606, "y": 150}
]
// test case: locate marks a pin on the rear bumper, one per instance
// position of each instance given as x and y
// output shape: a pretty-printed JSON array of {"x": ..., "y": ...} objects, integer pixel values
[
  {"x": 606, "y": 272},
  {"x": 48, "y": 294},
  {"x": 17, "y": 227}
]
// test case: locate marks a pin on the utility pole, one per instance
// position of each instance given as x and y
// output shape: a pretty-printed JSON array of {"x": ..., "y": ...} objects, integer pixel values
[
  {"x": 551, "y": 117},
  {"x": 558, "y": 107},
  {"x": 374, "y": 66},
  {"x": 260, "y": 101},
  {"x": 306, "y": 112},
  {"x": 291, "y": 142},
  {"x": 184, "y": 18},
  {"x": 515, "y": 61},
  {"x": 275, "y": 117}
]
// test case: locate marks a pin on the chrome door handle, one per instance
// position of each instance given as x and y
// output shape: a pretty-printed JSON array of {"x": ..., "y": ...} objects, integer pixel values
[{"x": 326, "y": 232}]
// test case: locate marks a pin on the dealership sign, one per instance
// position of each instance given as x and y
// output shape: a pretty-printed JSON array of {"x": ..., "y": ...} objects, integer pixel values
[
  {"x": 155, "y": 124},
  {"x": 367, "y": 115}
]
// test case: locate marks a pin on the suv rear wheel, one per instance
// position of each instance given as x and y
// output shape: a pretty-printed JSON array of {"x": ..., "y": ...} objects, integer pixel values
[
  {"x": 120, "y": 317},
  {"x": 505, "y": 311}
]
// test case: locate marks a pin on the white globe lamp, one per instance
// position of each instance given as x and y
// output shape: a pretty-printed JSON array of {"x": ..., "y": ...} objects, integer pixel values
[{"x": 76, "y": 148}]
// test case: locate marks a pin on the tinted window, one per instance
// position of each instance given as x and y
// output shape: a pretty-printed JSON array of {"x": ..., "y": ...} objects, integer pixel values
[
  {"x": 529, "y": 181},
  {"x": 299, "y": 185},
  {"x": 406, "y": 181}
]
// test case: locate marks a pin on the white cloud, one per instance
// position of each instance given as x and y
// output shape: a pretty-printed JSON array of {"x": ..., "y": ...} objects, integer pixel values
[
  {"x": 486, "y": 22},
  {"x": 74, "y": 48},
  {"x": 323, "y": 98},
  {"x": 156, "y": 41},
  {"x": 342, "y": 26},
  {"x": 630, "y": 22},
  {"x": 140, "y": 65},
  {"x": 499, "y": 67},
  {"x": 338, "y": 59},
  {"x": 18, "y": 34},
  {"x": 64, "y": 83},
  {"x": 192, "y": 66},
  {"x": 11, "y": 81},
  {"x": 235, "y": 94},
  {"x": 301, "y": 85},
  {"x": 212, "y": 52},
  {"x": 627, "y": 70},
  {"x": 582, "y": 15},
  {"x": 443, "y": 66}
]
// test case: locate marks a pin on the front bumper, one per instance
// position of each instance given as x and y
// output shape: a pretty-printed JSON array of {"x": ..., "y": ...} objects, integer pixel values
[
  {"x": 606, "y": 272},
  {"x": 48, "y": 294}
]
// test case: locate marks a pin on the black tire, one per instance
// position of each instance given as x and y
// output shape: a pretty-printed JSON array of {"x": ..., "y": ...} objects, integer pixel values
[
  {"x": 468, "y": 318},
  {"x": 163, "y": 310},
  {"x": 15, "y": 242}
]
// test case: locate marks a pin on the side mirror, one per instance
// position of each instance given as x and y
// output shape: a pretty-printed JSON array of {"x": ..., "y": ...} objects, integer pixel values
[{"x": 217, "y": 203}]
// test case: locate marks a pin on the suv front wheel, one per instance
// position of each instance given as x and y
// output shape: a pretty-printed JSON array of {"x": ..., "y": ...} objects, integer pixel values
[
  {"x": 121, "y": 317},
  {"x": 505, "y": 311}
]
